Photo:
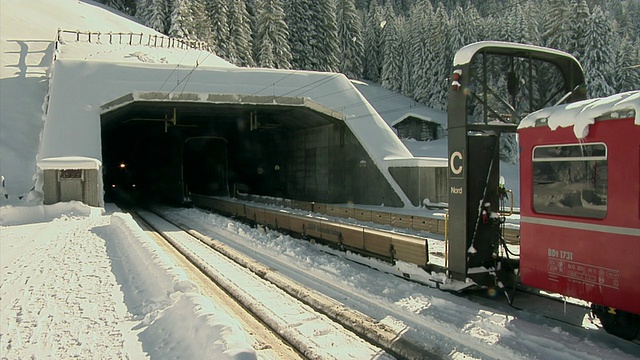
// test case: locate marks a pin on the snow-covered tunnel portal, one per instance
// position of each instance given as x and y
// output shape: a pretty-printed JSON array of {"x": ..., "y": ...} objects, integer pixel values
[
  {"x": 298, "y": 134},
  {"x": 161, "y": 150}
]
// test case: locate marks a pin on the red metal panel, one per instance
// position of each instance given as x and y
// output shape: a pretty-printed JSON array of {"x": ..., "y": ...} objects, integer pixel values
[
  {"x": 591, "y": 259},
  {"x": 595, "y": 266}
]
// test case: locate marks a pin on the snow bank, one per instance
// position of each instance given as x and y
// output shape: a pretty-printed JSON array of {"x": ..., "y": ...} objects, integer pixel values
[
  {"x": 19, "y": 215},
  {"x": 175, "y": 320}
]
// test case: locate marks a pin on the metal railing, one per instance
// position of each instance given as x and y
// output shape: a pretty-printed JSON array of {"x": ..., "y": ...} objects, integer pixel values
[{"x": 133, "y": 39}]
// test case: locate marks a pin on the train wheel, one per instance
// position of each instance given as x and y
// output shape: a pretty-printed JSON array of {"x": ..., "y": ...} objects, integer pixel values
[{"x": 619, "y": 323}]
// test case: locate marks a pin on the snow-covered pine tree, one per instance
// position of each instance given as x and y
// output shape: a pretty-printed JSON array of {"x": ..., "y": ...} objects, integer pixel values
[
  {"x": 387, "y": 15},
  {"x": 598, "y": 58},
  {"x": 372, "y": 33},
  {"x": 514, "y": 27},
  {"x": 406, "y": 81},
  {"x": 392, "y": 56},
  {"x": 239, "y": 48},
  {"x": 154, "y": 14},
  {"x": 326, "y": 52},
  {"x": 181, "y": 20},
  {"x": 578, "y": 25},
  {"x": 440, "y": 59},
  {"x": 302, "y": 33},
  {"x": 201, "y": 24},
  {"x": 313, "y": 34},
  {"x": 420, "y": 18},
  {"x": 626, "y": 71},
  {"x": 350, "y": 37},
  {"x": 557, "y": 33},
  {"x": 218, "y": 12},
  {"x": 272, "y": 35}
]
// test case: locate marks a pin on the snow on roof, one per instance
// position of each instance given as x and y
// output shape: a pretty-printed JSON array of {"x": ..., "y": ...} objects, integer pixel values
[
  {"x": 394, "y": 107},
  {"x": 69, "y": 162},
  {"x": 80, "y": 88},
  {"x": 581, "y": 114}
]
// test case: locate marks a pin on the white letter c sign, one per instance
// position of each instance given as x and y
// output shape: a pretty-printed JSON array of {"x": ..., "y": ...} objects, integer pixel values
[{"x": 457, "y": 170}]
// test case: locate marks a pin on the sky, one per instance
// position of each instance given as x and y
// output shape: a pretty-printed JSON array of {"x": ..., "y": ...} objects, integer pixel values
[{"x": 89, "y": 283}]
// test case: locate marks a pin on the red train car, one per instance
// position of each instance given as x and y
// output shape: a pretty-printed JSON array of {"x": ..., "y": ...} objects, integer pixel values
[{"x": 580, "y": 205}]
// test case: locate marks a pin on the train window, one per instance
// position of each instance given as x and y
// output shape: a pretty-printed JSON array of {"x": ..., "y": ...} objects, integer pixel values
[{"x": 570, "y": 180}]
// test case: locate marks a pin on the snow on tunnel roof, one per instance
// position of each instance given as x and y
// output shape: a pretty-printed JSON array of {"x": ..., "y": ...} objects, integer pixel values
[
  {"x": 581, "y": 114},
  {"x": 79, "y": 89}
]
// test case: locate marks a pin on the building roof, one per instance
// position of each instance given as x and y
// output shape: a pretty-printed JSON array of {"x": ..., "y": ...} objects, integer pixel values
[{"x": 394, "y": 107}]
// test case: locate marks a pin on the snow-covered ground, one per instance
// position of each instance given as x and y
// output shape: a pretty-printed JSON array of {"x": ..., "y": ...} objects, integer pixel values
[{"x": 80, "y": 283}]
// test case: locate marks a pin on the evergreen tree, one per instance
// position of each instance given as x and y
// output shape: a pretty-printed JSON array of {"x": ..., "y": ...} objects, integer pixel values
[
  {"x": 558, "y": 34},
  {"x": 271, "y": 42},
  {"x": 302, "y": 33},
  {"x": 420, "y": 19},
  {"x": 515, "y": 27},
  {"x": 201, "y": 24},
  {"x": 387, "y": 16},
  {"x": 239, "y": 48},
  {"x": 372, "y": 35},
  {"x": 350, "y": 36},
  {"x": 313, "y": 35},
  {"x": 626, "y": 72},
  {"x": 329, "y": 45},
  {"x": 181, "y": 20},
  {"x": 598, "y": 55},
  {"x": 154, "y": 14},
  {"x": 218, "y": 12},
  {"x": 406, "y": 76},
  {"x": 440, "y": 59},
  {"x": 392, "y": 56},
  {"x": 578, "y": 27}
]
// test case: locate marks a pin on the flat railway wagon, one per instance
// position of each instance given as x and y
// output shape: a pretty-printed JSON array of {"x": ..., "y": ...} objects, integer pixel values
[
  {"x": 580, "y": 206},
  {"x": 389, "y": 246}
]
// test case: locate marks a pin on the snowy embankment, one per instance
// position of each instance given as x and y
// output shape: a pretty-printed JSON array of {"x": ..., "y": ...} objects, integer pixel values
[{"x": 76, "y": 283}]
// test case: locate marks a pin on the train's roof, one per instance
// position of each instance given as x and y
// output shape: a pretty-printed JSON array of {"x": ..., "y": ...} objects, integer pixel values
[{"x": 581, "y": 114}]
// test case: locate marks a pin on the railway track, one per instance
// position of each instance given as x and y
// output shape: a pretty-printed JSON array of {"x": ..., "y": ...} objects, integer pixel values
[
  {"x": 425, "y": 321},
  {"x": 319, "y": 327}
]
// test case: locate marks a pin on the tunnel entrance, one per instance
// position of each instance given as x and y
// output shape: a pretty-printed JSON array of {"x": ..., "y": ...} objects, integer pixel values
[{"x": 158, "y": 147}]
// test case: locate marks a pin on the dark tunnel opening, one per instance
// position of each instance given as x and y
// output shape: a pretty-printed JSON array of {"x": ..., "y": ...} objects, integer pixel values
[{"x": 160, "y": 152}]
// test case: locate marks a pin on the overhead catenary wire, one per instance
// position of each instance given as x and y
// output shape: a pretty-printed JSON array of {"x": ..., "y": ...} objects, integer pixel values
[{"x": 184, "y": 81}]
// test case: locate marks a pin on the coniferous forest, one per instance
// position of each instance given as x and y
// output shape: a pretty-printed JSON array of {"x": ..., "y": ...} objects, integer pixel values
[{"x": 406, "y": 45}]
